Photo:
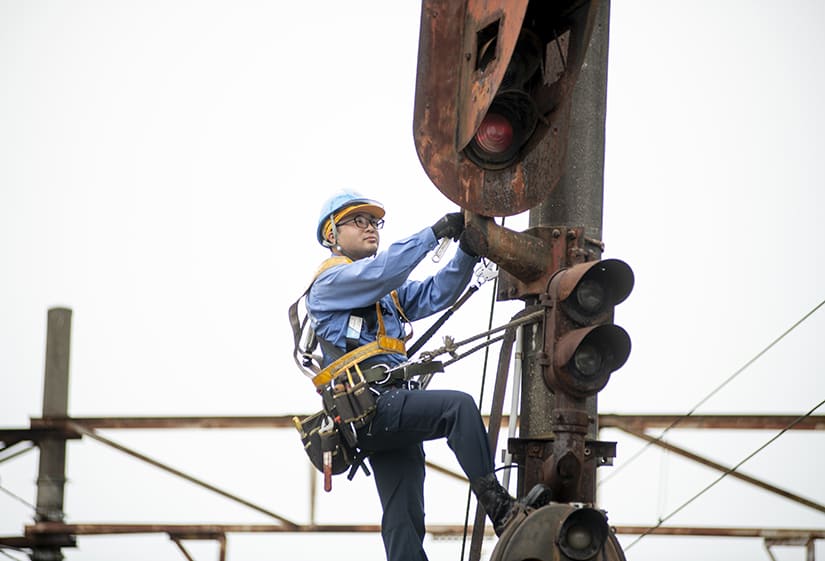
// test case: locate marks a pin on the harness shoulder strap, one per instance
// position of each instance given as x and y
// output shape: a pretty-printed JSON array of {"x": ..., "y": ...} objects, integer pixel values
[
  {"x": 397, "y": 303},
  {"x": 303, "y": 356},
  {"x": 330, "y": 262},
  {"x": 382, "y": 345}
]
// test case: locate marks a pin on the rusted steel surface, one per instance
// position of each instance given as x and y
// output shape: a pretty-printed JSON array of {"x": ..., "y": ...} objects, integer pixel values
[
  {"x": 434, "y": 114},
  {"x": 566, "y": 469},
  {"x": 797, "y": 541},
  {"x": 728, "y": 422},
  {"x": 529, "y": 259},
  {"x": 780, "y": 533},
  {"x": 477, "y": 85},
  {"x": 183, "y": 549},
  {"x": 606, "y": 420},
  {"x": 537, "y": 458},
  {"x": 524, "y": 258},
  {"x": 453, "y": 93},
  {"x": 208, "y": 531},
  {"x": 12, "y": 436},
  {"x": 201, "y": 422},
  {"x": 541, "y": 536}
]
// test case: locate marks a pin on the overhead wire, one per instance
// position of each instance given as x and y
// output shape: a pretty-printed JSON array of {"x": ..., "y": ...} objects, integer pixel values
[
  {"x": 9, "y": 456},
  {"x": 716, "y": 390},
  {"x": 726, "y": 473},
  {"x": 9, "y": 555},
  {"x": 18, "y": 498}
]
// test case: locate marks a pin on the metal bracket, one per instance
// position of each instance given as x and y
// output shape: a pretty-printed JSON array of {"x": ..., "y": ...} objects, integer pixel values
[{"x": 567, "y": 247}]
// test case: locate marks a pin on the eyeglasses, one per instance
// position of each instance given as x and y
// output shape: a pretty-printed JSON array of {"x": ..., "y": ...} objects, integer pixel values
[{"x": 362, "y": 222}]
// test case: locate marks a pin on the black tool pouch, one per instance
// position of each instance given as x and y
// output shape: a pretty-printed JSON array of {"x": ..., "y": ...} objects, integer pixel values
[
  {"x": 349, "y": 404},
  {"x": 319, "y": 438},
  {"x": 349, "y": 400}
]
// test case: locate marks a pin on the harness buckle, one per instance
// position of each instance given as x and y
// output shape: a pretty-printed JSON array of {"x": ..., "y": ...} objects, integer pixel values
[{"x": 387, "y": 371}]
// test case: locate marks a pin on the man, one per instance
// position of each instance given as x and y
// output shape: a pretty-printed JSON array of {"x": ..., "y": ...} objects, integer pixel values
[{"x": 342, "y": 307}]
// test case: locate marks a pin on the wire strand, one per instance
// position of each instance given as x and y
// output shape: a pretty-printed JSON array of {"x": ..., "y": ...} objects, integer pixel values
[
  {"x": 12, "y": 455},
  {"x": 726, "y": 473},
  {"x": 18, "y": 498},
  {"x": 9, "y": 555},
  {"x": 716, "y": 390}
]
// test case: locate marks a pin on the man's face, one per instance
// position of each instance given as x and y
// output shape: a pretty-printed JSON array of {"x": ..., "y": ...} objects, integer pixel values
[{"x": 358, "y": 235}]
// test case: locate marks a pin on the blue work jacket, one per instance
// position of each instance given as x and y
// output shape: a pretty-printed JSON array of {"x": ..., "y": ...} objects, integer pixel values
[{"x": 342, "y": 289}]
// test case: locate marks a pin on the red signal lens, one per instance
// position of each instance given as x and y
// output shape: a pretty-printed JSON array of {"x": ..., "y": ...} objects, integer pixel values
[
  {"x": 503, "y": 132},
  {"x": 495, "y": 134}
]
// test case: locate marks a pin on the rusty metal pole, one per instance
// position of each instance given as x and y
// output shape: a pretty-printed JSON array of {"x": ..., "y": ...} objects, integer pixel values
[
  {"x": 575, "y": 202},
  {"x": 52, "y": 471}
]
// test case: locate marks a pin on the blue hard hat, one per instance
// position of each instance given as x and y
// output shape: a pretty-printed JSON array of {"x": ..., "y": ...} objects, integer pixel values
[{"x": 345, "y": 200}]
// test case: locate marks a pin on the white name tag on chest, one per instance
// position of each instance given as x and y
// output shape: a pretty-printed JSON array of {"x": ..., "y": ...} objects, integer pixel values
[{"x": 354, "y": 327}]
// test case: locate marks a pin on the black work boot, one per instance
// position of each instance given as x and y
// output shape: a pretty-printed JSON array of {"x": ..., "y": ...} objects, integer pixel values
[{"x": 500, "y": 507}]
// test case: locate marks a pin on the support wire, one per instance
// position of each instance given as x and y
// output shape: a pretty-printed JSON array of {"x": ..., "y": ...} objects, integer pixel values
[
  {"x": 18, "y": 498},
  {"x": 95, "y": 436},
  {"x": 7, "y": 554},
  {"x": 726, "y": 473},
  {"x": 716, "y": 390}
]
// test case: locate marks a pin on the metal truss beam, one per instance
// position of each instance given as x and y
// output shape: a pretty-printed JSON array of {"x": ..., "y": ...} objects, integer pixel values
[
  {"x": 46, "y": 427},
  {"x": 214, "y": 531}
]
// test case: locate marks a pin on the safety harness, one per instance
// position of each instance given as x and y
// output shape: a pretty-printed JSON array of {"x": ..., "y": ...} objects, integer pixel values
[
  {"x": 306, "y": 341},
  {"x": 330, "y": 436}
]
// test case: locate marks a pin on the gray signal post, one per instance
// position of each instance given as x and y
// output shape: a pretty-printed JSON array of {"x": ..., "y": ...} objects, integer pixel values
[
  {"x": 51, "y": 477},
  {"x": 576, "y": 201}
]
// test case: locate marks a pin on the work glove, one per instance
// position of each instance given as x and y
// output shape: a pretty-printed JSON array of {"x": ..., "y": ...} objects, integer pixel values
[
  {"x": 449, "y": 226},
  {"x": 466, "y": 245}
]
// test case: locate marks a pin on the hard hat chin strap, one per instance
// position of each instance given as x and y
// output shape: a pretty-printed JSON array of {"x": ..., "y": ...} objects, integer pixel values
[{"x": 334, "y": 245}]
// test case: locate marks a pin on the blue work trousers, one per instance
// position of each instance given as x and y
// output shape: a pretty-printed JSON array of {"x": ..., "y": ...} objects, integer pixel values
[{"x": 403, "y": 421}]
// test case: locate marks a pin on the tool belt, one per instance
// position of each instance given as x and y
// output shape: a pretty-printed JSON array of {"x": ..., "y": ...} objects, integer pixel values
[
  {"x": 330, "y": 436},
  {"x": 350, "y": 400}
]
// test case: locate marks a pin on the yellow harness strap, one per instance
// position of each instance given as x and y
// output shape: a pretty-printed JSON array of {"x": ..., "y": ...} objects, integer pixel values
[
  {"x": 382, "y": 344},
  {"x": 331, "y": 262},
  {"x": 394, "y": 295}
]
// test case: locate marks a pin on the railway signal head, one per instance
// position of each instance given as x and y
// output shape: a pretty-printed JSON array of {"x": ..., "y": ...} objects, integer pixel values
[
  {"x": 560, "y": 532},
  {"x": 584, "y": 344},
  {"x": 493, "y": 95},
  {"x": 511, "y": 119}
]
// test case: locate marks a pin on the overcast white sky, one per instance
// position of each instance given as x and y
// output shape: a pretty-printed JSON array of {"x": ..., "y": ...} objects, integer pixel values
[{"x": 161, "y": 169}]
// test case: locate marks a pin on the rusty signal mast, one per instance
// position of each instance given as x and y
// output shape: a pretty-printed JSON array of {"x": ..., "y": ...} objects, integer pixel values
[{"x": 509, "y": 117}]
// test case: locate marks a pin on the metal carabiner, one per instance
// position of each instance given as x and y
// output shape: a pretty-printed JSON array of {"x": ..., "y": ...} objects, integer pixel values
[{"x": 485, "y": 272}]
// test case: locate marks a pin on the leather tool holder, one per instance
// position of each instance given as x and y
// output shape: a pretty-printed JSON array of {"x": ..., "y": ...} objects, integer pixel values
[{"x": 352, "y": 400}]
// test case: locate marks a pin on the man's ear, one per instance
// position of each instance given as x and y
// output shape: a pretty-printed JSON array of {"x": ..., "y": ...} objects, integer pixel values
[{"x": 330, "y": 241}]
